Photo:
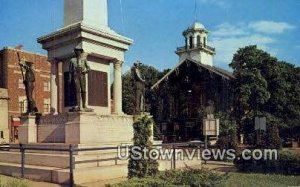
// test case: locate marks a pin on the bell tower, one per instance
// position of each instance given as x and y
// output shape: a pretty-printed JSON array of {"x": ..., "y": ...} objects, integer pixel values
[{"x": 196, "y": 45}]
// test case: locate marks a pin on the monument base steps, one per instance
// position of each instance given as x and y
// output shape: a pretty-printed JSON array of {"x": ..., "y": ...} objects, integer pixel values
[
  {"x": 61, "y": 176},
  {"x": 62, "y": 161},
  {"x": 54, "y": 168}
]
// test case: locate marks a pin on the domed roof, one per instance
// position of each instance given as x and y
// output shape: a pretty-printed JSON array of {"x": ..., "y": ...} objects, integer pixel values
[{"x": 197, "y": 25}]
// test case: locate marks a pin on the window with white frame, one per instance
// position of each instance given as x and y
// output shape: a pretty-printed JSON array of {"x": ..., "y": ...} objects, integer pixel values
[
  {"x": 47, "y": 105},
  {"x": 21, "y": 84},
  {"x": 47, "y": 86},
  {"x": 23, "y": 104}
]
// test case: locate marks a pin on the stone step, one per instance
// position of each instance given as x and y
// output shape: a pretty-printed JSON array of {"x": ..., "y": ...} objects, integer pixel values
[
  {"x": 100, "y": 173},
  {"x": 61, "y": 176},
  {"x": 37, "y": 173},
  {"x": 38, "y": 159}
]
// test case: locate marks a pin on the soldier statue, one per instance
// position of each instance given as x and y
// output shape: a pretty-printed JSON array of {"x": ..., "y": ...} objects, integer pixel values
[
  {"x": 139, "y": 89},
  {"x": 28, "y": 80},
  {"x": 77, "y": 71}
]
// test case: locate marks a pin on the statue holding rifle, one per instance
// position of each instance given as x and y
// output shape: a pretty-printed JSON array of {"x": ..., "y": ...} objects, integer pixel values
[
  {"x": 28, "y": 80},
  {"x": 78, "y": 69}
]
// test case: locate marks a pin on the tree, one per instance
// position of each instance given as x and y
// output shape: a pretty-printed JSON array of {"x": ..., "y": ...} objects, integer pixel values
[{"x": 265, "y": 86}]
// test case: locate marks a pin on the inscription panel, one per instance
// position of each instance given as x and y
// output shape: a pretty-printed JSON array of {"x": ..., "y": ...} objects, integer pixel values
[{"x": 97, "y": 86}]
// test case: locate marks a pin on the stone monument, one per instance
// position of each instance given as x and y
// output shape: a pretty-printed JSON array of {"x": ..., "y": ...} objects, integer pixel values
[
  {"x": 85, "y": 119},
  {"x": 94, "y": 120},
  {"x": 85, "y": 27}
]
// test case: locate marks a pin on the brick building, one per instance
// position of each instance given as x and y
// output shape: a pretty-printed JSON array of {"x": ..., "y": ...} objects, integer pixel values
[
  {"x": 4, "y": 131},
  {"x": 11, "y": 79}
]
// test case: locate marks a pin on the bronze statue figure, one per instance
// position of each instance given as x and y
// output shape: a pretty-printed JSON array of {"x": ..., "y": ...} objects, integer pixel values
[
  {"x": 28, "y": 80},
  {"x": 139, "y": 89},
  {"x": 78, "y": 69}
]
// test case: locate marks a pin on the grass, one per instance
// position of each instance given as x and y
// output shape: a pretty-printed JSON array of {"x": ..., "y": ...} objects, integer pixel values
[
  {"x": 260, "y": 180},
  {"x": 12, "y": 182}
]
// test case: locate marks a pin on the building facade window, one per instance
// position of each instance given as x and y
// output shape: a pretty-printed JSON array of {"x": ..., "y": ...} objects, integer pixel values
[
  {"x": 191, "y": 42},
  {"x": 23, "y": 104},
  {"x": 21, "y": 84},
  {"x": 46, "y": 105},
  {"x": 198, "y": 40},
  {"x": 47, "y": 86}
]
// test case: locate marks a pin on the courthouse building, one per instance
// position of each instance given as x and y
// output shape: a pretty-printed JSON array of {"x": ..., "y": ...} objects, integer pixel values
[
  {"x": 11, "y": 80},
  {"x": 190, "y": 86}
]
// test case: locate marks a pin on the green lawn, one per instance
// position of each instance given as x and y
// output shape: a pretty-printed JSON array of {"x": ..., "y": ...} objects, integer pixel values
[
  {"x": 260, "y": 180},
  {"x": 12, "y": 182}
]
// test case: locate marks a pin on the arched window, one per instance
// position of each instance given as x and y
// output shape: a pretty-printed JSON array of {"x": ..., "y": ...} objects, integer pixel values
[
  {"x": 186, "y": 43},
  {"x": 204, "y": 41},
  {"x": 198, "y": 40},
  {"x": 191, "y": 42}
]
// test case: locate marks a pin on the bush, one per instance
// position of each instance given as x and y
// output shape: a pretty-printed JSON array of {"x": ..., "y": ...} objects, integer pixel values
[
  {"x": 273, "y": 140},
  {"x": 287, "y": 163},
  {"x": 228, "y": 132},
  {"x": 142, "y": 133},
  {"x": 184, "y": 178}
]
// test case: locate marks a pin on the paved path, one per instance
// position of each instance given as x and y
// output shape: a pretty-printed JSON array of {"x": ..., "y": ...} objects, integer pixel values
[{"x": 220, "y": 166}]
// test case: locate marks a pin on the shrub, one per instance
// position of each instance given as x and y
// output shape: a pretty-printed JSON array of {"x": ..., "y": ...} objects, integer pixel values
[
  {"x": 228, "y": 132},
  {"x": 142, "y": 133},
  {"x": 287, "y": 163},
  {"x": 273, "y": 140},
  {"x": 184, "y": 178}
]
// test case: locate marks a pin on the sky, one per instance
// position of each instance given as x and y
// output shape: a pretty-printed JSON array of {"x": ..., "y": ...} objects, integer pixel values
[{"x": 156, "y": 26}]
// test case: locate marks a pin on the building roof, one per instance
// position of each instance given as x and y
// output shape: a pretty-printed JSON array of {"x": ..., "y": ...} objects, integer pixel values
[
  {"x": 197, "y": 25},
  {"x": 23, "y": 51},
  {"x": 219, "y": 71}
]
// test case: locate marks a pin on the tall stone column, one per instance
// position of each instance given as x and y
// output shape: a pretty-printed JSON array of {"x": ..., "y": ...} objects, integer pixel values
[
  {"x": 53, "y": 85},
  {"x": 118, "y": 87}
]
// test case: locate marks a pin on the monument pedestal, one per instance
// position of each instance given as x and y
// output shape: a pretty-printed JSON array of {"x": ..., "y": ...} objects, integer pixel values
[
  {"x": 86, "y": 128},
  {"x": 82, "y": 130},
  {"x": 28, "y": 130}
]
